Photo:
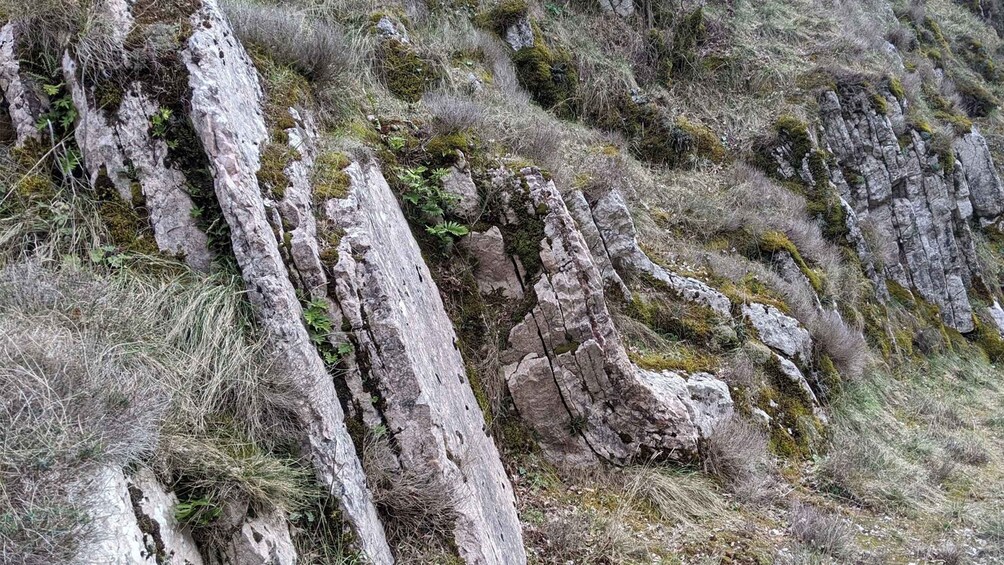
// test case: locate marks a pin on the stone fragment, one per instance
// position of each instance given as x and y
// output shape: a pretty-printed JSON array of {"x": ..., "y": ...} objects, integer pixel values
[
  {"x": 779, "y": 331},
  {"x": 495, "y": 269}
]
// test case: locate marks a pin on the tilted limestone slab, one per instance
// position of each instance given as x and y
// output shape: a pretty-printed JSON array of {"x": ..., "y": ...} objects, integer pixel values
[
  {"x": 22, "y": 104},
  {"x": 227, "y": 115},
  {"x": 400, "y": 325},
  {"x": 567, "y": 369},
  {"x": 132, "y": 522},
  {"x": 120, "y": 147}
]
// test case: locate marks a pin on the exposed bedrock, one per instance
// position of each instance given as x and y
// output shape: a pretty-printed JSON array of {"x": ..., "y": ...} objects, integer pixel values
[
  {"x": 929, "y": 201},
  {"x": 227, "y": 114}
]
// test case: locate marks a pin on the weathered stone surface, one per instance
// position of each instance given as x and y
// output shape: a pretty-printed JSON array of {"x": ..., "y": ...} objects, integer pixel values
[
  {"x": 297, "y": 224},
  {"x": 117, "y": 537},
  {"x": 906, "y": 192},
  {"x": 997, "y": 314},
  {"x": 617, "y": 245},
  {"x": 22, "y": 104},
  {"x": 120, "y": 148},
  {"x": 985, "y": 190},
  {"x": 566, "y": 368},
  {"x": 495, "y": 269},
  {"x": 779, "y": 331},
  {"x": 399, "y": 324},
  {"x": 795, "y": 375},
  {"x": 132, "y": 522},
  {"x": 460, "y": 185},
  {"x": 707, "y": 399},
  {"x": 622, "y": 8},
  {"x": 520, "y": 34},
  {"x": 227, "y": 115},
  {"x": 261, "y": 540},
  {"x": 169, "y": 542}
]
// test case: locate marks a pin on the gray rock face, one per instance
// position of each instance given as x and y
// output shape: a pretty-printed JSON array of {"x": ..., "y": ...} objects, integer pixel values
[
  {"x": 495, "y": 270},
  {"x": 567, "y": 370},
  {"x": 459, "y": 184},
  {"x": 153, "y": 504},
  {"x": 120, "y": 148},
  {"x": 22, "y": 104},
  {"x": 520, "y": 34},
  {"x": 779, "y": 331},
  {"x": 132, "y": 522},
  {"x": 400, "y": 326},
  {"x": 261, "y": 540},
  {"x": 227, "y": 115},
  {"x": 610, "y": 233},
  {"x": 622, "y": 8},
  {"x": 707, "y": 399},
  {"x": 908, "y": 193},
  {"x": 985, "y": 190}
]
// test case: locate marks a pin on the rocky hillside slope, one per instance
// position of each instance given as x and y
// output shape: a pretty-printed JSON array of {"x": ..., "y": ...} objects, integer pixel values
[{"x": 447, "y": 282}]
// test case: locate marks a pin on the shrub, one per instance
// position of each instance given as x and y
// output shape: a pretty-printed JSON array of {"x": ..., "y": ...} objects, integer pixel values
[
  {"x": 976, "y": 100},
  {"x": 314, "y": 48},
  {"x": 452, "y": 114},
  {"x": 688, "y": 35},
  {"x": 737, "y": 454},
  {"x": 823, "y": 532}
]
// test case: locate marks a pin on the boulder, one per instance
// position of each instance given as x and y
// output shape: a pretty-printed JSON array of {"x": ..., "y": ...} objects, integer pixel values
[
  {"x": 779, "y": 331},
  {"x": 566, "y": 367}
]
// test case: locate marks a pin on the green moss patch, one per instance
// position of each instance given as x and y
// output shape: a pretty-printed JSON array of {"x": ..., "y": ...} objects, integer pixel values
[
  {"x": 550, "y": 75},
  {"x": 405, "y": 72},
  {"x": 774, "y": 242},
  {"x": 330, "y": 179}
]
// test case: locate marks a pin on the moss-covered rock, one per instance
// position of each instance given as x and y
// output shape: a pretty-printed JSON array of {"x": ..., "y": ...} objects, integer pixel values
[
  {"x": 502, "y": 16},
  {"x": 550, "y": 75},
  {"x": 330, "y": 179},
  {"x": 406, "y": 73}
]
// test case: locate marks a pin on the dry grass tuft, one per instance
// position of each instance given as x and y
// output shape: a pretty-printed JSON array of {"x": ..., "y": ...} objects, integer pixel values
[
  {"x": 103, "y": 370},
  {"x": 314, "y": 48},
  {"x": 737, "y": 454},
  {"x": 821, "y": 531},
  {"x": 414, "y": 505}
]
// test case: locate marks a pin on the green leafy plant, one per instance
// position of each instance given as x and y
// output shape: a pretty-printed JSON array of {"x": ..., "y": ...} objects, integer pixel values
[
  {"x": 197, "y": 512},
  {"x": 448, "y": 231},
  {"x": 160, "y": 125},
  {"x": 333, "y": 356},
  {"x": 61, "y": 112},
  {"x": 424, "y": 193},
  {"x": 430, "y": 203},
  {"x": 319, "y": 325},
  {"x": 108, "y": 255},
  {"x": 396, "y": 142}
]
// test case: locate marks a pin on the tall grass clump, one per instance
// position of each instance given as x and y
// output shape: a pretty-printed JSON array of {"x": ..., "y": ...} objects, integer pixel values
[{"x": 111, "y": 369}]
